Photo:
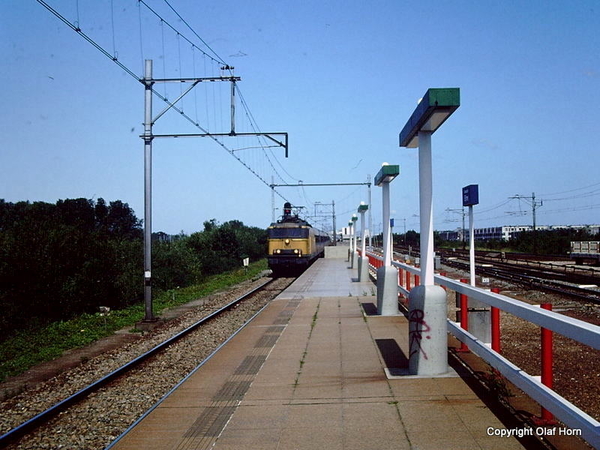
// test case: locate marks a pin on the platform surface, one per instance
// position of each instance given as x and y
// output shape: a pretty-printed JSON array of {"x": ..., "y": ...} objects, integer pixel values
[{"x": 309, "y": 373}]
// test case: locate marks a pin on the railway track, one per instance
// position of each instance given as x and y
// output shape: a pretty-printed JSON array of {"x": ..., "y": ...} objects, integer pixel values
[
  {"x": 555, "y": 264},
  {"x": 538, "y": 279},
  {"x": 579, "y": 283},
  {"x": 57, "y": 419},
  {"x": 558, "y": 266}
]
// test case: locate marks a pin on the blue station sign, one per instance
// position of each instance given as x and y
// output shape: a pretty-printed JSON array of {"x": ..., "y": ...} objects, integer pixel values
[{"x": 470, "y": 195}]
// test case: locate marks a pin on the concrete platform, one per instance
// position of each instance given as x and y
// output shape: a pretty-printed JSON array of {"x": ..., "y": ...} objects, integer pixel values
[
  {"x": 337, "y": 251},
  {"x": 310, "y": 373}
]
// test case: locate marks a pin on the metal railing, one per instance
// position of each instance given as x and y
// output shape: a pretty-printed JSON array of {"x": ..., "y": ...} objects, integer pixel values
[{"x": 578, "y": 330}]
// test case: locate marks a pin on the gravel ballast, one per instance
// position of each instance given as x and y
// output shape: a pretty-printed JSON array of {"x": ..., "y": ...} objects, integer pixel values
[{"x": 104, "y": 415}]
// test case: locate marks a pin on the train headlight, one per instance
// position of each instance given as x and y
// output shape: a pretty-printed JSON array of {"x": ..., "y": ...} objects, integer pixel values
[
  {"x": 287, "y": 242},
  {"x": 296, "y": 251}
]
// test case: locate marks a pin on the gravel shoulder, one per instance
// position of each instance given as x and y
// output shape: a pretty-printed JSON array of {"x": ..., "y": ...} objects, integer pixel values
[{"x": 104, "y": 415}]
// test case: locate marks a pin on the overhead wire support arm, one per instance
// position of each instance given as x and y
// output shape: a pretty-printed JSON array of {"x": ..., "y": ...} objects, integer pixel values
[
  {"x": 195, "y": 80},
  {"x": 171, "y": 104},
  {"x": 232, "y": 107},
  {"x": 320, "y": 184},
  {"x": 269, "y": 135}
]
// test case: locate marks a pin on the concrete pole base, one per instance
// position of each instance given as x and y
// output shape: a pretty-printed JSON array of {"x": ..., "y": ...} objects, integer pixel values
[
  {"x": 353, "y": 260},
  {"x": 387, "y": 291},
  {"x": 363, "y": 268},
  {"x": 428, "y": 331}
]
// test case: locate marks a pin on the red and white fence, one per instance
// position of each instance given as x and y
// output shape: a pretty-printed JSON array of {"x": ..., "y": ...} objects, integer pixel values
[{"x": 540, "y": 391}]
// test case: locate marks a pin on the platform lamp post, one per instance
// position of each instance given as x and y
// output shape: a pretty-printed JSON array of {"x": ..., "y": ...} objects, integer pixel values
[
  {"x": 387, "y": 275},
  {"x": 350, "y": 223},
  {"x": 363, "y": 261},
  {"x": 353, "y": 237},
  {"x": 428, "y": 353}
]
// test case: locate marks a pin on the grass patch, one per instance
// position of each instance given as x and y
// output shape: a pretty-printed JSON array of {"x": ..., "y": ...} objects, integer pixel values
[
  {"x": 36, "y": 345},
  {"x": 303, "y": 359}
]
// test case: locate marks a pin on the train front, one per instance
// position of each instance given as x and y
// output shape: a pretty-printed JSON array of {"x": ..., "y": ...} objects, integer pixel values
[{"x": 290, "y": 247}]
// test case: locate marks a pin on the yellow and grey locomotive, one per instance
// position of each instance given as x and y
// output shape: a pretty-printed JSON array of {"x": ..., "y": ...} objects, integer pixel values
[{"x": 293, "y": 243}]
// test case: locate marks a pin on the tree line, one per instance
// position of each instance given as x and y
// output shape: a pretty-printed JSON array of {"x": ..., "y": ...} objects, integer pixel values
[{"x": 60, "y": 260}]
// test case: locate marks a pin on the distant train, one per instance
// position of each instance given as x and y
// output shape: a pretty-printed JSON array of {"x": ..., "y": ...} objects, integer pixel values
[
  {"x": 584, "y": 251},
  {"x": 293, "y": 244}
]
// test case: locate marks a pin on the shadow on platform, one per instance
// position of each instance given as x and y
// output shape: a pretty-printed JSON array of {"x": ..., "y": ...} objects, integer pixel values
[
  {"x": 369, "y": 308},
  {"x": 392, "y": 354}
]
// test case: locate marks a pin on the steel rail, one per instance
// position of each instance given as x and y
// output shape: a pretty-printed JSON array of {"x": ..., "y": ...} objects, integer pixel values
[
  {"x": 527, "y": 261},
  {"x": 43, "y": 417},
  {"x": 549, "y": 273},
  {"x": 537, "y": 282},
  {"x": 189, "y": 375},
  {"x": 537, "y": 278}
]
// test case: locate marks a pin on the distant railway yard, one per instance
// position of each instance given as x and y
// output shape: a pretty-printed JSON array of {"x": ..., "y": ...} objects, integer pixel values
[
  {"x": 546, "y": 273},
  {"x": 571, "y": 289}
]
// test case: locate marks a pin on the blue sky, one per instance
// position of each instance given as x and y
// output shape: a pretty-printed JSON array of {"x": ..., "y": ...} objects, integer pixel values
[{"x": 341, "y": 77}]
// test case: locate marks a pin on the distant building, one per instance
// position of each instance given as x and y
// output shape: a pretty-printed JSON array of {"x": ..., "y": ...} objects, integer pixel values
[
  {"x": 508, "y": 232},
  {"x": 344, "y": 233},
  {"x": 592, "y": 229},
  {"x": 161, "y": 236},
  {"x": 450, "y": 235},
  {"x": 504, "y": 233}
]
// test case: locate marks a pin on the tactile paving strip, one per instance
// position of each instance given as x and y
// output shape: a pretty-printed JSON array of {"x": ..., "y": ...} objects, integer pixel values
[
  {"x": 252, "y": 364},
  {"x": 267, "y": 341},
  {"x": 232, "y": 390},
  {"x": 208, "y": 426},
  {"x": 210, "y": 422}
]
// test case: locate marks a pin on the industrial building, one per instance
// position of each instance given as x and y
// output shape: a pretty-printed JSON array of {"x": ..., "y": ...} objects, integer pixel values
[{"x": 507, "y": 232}]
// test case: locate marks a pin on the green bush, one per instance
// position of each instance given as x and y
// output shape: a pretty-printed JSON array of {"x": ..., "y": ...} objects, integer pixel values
[
  {"x": 44, "y": 343},
  {"x": 59, "y": 261},
  {"x": 65, "y": 259}
]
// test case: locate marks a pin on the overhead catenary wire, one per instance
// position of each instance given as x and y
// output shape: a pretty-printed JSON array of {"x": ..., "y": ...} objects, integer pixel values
[
  {"x": 114, "y": 57},
  {"x": 78, "y": 30},
  {"x": 571, "y": 190},
  {"x": 164, "y": 55},
  {"x": 180, "y": 74},
  {"x": 543, "y": 212},
  {"x": 252, "y": 121},
  {"x": 77, "y": 13},
  {"x": 112, "y": 22},
  {"x": 141, "y": 35},
  {"x": 218, "y": 60},
  {"x": 195, "y": 34},
  {"x": 584, "y": 195},
  {"x": 227, "y": 67},
  {"x": 195, "y": 90},
  {"x": 256, "y": 129}
]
